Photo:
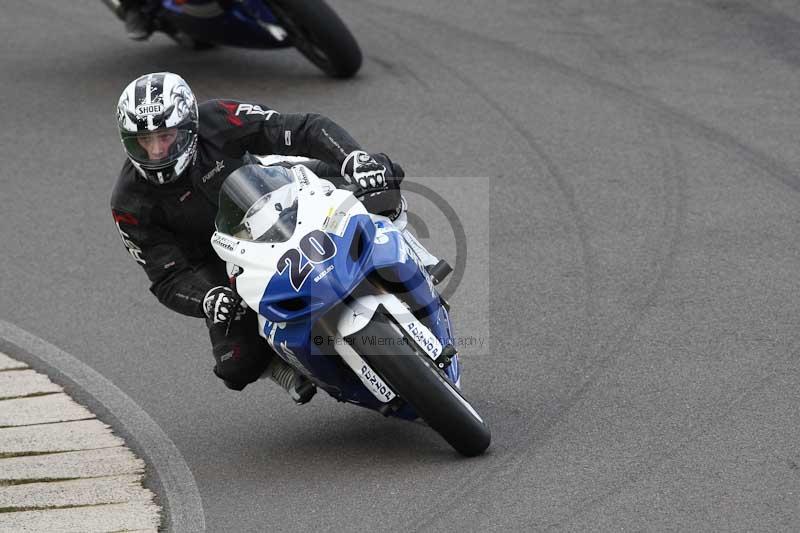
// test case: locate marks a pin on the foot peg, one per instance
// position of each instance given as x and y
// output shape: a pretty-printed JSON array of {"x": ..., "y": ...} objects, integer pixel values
[
  {"x": 303, "y": 391},
  {"x": 439, "y": 271},
  {"x": 300, "y": 388}
]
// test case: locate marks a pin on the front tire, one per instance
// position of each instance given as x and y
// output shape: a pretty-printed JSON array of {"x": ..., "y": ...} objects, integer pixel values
[
  {"x": 415, "y": 379},
  {"x": 320, "y": 35}
]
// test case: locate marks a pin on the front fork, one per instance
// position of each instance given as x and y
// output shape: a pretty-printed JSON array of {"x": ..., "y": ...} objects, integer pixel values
[{"x": 276, "y": 27}]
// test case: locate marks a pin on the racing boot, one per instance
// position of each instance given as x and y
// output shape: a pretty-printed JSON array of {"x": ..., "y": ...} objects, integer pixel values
[
  {"x": 137, "y": 24},
  {"x": 299, "y": 387}
]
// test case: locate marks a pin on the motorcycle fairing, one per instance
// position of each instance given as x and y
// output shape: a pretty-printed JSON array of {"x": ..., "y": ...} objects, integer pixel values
[
  {"x": 247, "y": 24},
  {"x": 393, "y": 258}
]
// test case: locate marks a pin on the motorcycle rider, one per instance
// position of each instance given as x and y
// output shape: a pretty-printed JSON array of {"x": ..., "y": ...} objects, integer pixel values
[{"x": 165, "y": 201}]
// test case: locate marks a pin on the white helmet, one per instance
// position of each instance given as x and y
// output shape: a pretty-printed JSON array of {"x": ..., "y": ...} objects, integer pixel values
[{"x": 157, "y": 118}]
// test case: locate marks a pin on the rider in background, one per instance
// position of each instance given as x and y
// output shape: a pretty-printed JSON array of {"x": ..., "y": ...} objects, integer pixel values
[{"x": 165, "y": 201}]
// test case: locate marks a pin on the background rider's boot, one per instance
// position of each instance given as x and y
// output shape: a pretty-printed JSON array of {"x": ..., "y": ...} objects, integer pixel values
[{"x": 138, "y": 26}]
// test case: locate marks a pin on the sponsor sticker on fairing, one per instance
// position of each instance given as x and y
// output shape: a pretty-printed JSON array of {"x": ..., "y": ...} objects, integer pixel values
[
  {"x": 301, "y": 176},
  {"x": 376, "y": 384},
  {"x": 323, "y": 274},
  {"x": 423, "y": 337},
  {"x": 224, "y": 242},
  {"x": 337, "y": 223}
]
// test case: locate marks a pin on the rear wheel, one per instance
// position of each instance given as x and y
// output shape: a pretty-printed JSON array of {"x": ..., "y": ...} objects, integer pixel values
[
  {"x": 320, "y": 35},
  {"x": 416, "y": 380}
]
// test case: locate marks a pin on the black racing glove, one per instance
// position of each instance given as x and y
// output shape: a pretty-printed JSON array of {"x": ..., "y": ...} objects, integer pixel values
[
  {"x": 361, "y": 169},
  {"x": 223, "y": 306}
]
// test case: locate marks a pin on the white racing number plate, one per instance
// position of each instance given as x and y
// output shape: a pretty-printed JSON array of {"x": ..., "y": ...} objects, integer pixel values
[{"x": 373, "y": 382}]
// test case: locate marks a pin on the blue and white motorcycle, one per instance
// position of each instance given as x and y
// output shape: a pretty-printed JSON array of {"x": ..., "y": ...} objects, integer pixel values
[
  {"x": 311, "y": 26},
  {"x": 343, "y": 297}
]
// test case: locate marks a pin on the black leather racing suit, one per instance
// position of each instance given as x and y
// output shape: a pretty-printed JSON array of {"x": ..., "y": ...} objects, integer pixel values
[{"x": 167, "y": 228}]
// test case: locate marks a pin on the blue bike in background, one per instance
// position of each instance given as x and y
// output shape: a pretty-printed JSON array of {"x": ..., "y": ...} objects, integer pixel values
[
  {"x": 342, "y": 297},
  {"x": 311, "y": 26}
]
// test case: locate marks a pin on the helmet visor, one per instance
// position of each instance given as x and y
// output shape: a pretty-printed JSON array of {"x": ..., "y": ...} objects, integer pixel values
[{"x": 157, "y": 149}]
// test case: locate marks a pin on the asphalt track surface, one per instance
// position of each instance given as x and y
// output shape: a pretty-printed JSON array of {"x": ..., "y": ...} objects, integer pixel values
[{"x": 632, "y": 271}]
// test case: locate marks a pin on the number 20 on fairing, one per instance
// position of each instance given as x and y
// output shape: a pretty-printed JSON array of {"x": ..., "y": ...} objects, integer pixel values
[{"x": 316, "y": 247}]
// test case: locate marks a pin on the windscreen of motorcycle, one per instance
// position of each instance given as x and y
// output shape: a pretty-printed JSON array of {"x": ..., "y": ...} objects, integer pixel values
[{"x": 258, "y": 204}]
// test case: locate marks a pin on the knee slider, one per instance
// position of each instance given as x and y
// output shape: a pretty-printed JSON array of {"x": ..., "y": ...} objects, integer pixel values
[{"x": 238, "y": 367}]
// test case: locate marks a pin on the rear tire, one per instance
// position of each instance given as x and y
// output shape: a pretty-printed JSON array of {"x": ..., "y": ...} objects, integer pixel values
[
  {"x": 415, "y": 379},
  {"x": 320, "y": 35}
]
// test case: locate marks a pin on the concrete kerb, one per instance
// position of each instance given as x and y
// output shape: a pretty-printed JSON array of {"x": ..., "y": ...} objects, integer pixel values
[{"x": 167, "y": 473}]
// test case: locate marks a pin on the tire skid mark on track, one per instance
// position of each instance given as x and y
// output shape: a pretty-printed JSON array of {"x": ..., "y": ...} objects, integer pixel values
[
  {"x": 551, "y": 170},
  {"x": 529, "y": 143},
  {"x": 543, "y": 160},
  {"x": 626, "y": 323},
  {"x": 769, "y": 26},
  {"x": 665, "y": 257},
  {"x": 400, "y": 71},
  {"x": 475, "y": 476},
  {"x": 666, "y": 113},
  {"x": 675, "y": 200},
  {"x": 716, "y": 414}
]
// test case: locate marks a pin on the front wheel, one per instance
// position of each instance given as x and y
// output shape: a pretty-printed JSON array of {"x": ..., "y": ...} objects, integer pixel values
[
  {"x": 415, "y": 379},
  {"x": 320, "y": 35}
]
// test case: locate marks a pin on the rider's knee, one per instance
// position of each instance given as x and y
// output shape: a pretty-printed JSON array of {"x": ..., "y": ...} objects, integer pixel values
[{"x": 238, "y": 367}]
